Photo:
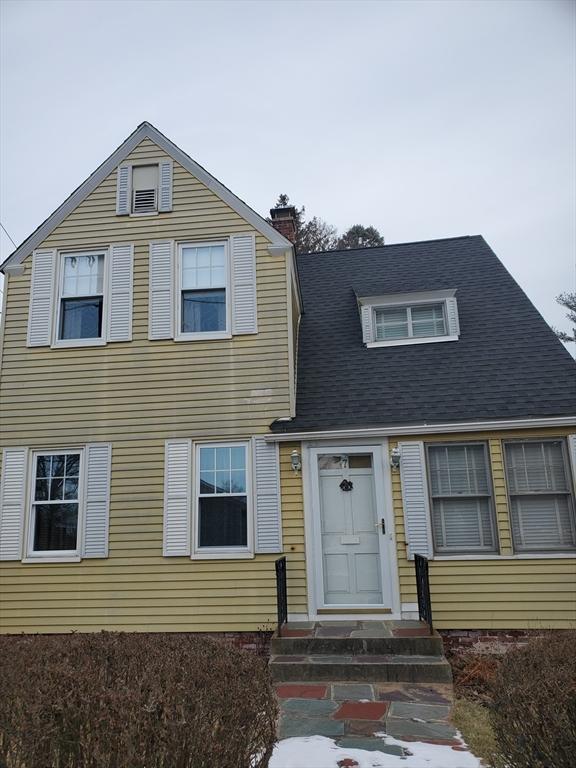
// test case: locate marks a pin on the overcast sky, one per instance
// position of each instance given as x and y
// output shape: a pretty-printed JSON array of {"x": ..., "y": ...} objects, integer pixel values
[{"x": 424, "y": 118}]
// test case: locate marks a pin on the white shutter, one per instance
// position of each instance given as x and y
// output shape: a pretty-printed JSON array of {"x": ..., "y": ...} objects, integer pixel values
[
  {"x": 165, "y": 196},
  {"x": 452, "y": 312},
  {"x": 41, "y": 298},
  {"x": 12, "y": 502},
  {"x": 243, "y": 250},
  {"x": 161, "y": 290},
  {"x": 572, "y": 453},
  {"x": 415, "y": 499},
  {"x": 123, "y": 190},
  {"x": 367, "y": 324},
  {"x": 268, "y": 514},
  {"x": 120, "y": 298},
  {"x": 177, "y": 498},
  {"x": 98, "y": 459}
]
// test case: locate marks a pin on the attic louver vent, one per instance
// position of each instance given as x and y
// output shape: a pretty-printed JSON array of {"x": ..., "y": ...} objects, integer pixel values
[{"x": 144, "y": 200}]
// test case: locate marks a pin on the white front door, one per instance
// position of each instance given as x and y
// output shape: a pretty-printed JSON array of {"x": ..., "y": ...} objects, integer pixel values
[{"x": 353, "y": 541}]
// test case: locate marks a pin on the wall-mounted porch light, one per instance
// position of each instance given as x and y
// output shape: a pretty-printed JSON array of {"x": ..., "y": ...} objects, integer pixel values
[
  {"x": 395, "y": 456},
  {"x": 296, "y": 461}
]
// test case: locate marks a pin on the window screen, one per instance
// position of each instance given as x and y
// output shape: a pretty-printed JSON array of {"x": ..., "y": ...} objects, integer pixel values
[
  {"x": 461, "y": 498},
  {"x": 541, "y": 502}
]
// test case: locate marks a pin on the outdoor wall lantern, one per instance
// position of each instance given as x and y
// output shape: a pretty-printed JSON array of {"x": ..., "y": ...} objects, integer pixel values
[
  {"x": 395, "y": 455},
  {"x": 296, "y": 461}
]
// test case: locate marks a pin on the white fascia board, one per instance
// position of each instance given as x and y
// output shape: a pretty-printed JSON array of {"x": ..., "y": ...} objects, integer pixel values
[
  {"x": 386, "y": 299},
  {"x": 424, "y": 429},
  {"x": 144, "y": 131}
]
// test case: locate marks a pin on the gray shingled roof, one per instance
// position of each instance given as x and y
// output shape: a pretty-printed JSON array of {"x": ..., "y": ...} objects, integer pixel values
[{"x": 507, "y": 363}]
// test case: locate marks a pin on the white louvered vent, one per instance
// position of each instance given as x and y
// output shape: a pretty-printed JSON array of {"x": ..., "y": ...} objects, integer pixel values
[
  {"x": 12, "y": 499},
  {"x": 244, "y": 310},
  {"x": 415, "y": 499},
  {"x": 144, "y": 201},
  {"x": 98, "y": 465},
  {"x": 268, "y": 513},
  {"x": 161, "y": 297},
  {"x": 177, "y": 490}
]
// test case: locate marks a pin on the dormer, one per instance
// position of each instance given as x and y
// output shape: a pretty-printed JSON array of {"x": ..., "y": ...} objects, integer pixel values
[{"x": 425, "y": 317}]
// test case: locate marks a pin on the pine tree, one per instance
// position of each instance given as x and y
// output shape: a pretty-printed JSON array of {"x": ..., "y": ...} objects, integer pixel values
[
  {"x": 359, "y": 236},
  {"x": 567, "y": 300}
]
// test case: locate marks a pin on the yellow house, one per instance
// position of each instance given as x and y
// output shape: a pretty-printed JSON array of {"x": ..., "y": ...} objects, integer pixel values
[{"x": 183, "y": 400}]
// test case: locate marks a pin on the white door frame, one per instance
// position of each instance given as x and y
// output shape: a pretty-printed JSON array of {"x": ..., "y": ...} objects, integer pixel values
[{"x": 384, "y": 508}]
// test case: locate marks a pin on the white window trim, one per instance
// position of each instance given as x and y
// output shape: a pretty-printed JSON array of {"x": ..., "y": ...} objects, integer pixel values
[
  {"x": 410, "y": 340},
  {"x": 53, "y": 556},
  {"x": 558, "y": 551},
  {"x": 205, "y": 335},
  {"x": 476, "y": 552},
  {"x": 102, "y": 339},
  {"x": 223, "y": 553}
]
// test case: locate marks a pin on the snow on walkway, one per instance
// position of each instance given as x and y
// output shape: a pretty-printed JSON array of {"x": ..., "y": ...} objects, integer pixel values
[{"x": 321, "y": 752}]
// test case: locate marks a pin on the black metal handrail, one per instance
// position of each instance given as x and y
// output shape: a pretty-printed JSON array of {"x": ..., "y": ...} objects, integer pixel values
[
  {"x": 281, "y": 593},
  {"x": 423, "y": 590}
]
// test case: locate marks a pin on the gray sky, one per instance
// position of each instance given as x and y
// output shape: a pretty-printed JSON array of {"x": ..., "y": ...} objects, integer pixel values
[{"x": 425, "y": 118}]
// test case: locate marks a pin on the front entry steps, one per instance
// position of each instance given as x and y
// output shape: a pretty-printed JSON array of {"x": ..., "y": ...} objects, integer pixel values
[{"x": 358, "y": 651}]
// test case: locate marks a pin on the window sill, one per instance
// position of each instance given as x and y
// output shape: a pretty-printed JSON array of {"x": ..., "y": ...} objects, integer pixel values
[
  {"x": 208, "y": 336},
  {"x": 66, "y": 559},
  {"x": 143, "y": 213},
  {"x": 522, "y": 556},
  {"x": 412, "y": 340},
  {"x": 72, "y": 343},
  {"x": 222, "y": 555}
]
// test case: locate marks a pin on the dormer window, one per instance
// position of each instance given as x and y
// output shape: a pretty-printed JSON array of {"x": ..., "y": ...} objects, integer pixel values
[
  {"x": 417, "y": 321},
  {"x": 409, "y": 318},
  {"x": 144, "y": 188}
]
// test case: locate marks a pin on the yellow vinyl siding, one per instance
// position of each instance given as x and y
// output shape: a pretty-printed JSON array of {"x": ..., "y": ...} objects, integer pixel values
[
  {"x": 293, "y": 530},
  {"x": 136, "y": 395},
  {"x": 515, "y": 593},
  {"x": 497, "y": 593}
]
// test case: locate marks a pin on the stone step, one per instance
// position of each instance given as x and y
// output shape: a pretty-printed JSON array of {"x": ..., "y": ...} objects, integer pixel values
[
  {"x": 376, "y": 668},
  {"x": 357, "y": 646}
]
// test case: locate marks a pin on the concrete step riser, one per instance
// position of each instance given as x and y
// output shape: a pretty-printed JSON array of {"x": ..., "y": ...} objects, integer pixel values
[
  {"x": 410, "y": 672},
  {"x": 356, "y": 646}
]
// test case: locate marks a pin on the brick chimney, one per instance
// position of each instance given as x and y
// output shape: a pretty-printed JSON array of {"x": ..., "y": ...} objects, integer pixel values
[{"x": 284, "y": 220}]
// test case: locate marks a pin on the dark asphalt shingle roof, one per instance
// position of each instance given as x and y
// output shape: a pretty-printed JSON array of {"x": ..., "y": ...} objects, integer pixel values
[{"x": 506, "y": 364}]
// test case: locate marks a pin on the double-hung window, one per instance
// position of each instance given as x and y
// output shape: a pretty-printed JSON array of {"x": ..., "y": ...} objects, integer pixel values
[
  {"x": 541, "y": 500},
  {"x": 461, "y": 498},
  {"x": 223, "y": 498},
  {"x": 81, "y": 296},
  {"x": 418, "y": 321},
  {"x": 204, "y": 290},
  {"x": 54, "y": 514}
]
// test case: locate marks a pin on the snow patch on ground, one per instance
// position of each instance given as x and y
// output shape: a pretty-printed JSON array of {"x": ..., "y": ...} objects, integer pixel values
[{"x": 321, "y": 752}]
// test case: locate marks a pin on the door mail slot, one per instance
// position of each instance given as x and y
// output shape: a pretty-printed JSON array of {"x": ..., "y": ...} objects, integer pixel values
[{"x": 349, "y": 539}]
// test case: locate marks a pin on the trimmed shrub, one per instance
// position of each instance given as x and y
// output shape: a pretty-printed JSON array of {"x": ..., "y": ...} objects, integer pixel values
[
  {"x": 114, "y": 700},
  {"x": 534, "y": 703}
]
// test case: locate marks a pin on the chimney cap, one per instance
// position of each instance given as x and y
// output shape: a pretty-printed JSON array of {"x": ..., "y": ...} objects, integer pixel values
[{"x": 289, "y": 212}]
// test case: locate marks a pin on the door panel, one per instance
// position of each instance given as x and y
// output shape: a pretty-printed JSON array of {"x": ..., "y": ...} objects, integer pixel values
[{"x": 349, "y": 531}]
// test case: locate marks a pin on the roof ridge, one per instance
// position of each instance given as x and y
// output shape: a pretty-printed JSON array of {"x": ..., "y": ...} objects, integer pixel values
[{"x": 390, "y": 245}]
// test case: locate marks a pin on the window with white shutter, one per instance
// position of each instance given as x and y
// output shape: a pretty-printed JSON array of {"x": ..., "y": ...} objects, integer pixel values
[
  {"x": 144, "y": 189},
  {"x": 410, "y": 318},
  {"x": 203, "y": 295},
  {"x": 540, "y": 495},
  {"x": 461, "y": 499},
  {"x": 223, "y": 500}
]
